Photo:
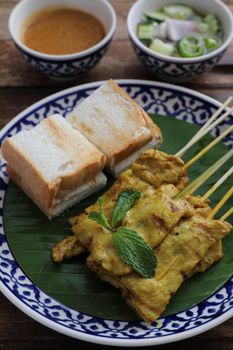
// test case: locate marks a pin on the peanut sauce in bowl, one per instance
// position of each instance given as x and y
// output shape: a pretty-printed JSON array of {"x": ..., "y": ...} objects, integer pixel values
[
  {"x": 62, "y": 31},
  {"x": 62, "y": 38}
]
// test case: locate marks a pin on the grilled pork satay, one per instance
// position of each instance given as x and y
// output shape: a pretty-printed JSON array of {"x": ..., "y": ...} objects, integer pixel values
[
  {"x": 146, "y": 174},
  {"x": 215, "y": 252},
  {"x": 67, "y": 248},
  {"x": 177, "y": 257},
  {"x": 141, "y": 176},
  {"x": 157, "y": 168},
  {"x": 152, "y": 217},
  {"x": 212, "y": 255}
]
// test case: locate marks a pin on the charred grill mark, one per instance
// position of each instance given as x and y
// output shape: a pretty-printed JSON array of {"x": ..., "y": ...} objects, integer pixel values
[
  {"x": 184, "y": 275},
  {"x": 126, "y": 293},
  {"x": 173, "y": 207},
  {"x": 198, "y": 255},
  {"x": 159, "y": 223}
]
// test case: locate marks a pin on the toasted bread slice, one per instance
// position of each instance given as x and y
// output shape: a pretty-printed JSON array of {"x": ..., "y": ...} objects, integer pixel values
[
  {"x": 116, "y": 125},
  {"x": 54, "y": 164}
]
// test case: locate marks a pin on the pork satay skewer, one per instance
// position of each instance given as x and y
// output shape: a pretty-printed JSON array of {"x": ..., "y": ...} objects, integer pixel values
[
  {"x": 208, "y": 126},
  {"x": 131, "y": 279},
  {"x": 153, "y": 218},
  {"x": 71, "y": 246},
  {"x": 185, "y": 247},
  {"x": 215, "y": 252},
  {"x": 67, "y": 248},
  {"x": 165, "y": 169}
]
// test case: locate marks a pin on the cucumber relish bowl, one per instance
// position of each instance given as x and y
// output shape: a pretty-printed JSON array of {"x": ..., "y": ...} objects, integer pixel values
[
  {"x": 178, "y": 69},
  {"x": 69, "y": 66}
]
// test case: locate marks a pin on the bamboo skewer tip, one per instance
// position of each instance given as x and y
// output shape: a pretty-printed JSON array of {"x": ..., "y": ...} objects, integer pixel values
[
  {"x": 227, "y": 214},
  {"x": 208, "y": 126},
  {"x": 221, "y": 203},
  {"x": 208, "y": 147},
  {"x": 193, "y": 186}
]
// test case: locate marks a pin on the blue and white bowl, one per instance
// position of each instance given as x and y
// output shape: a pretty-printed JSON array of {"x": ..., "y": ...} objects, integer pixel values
[
  {"x": 69, "y": 66},
  {"x": 175, "y": 69}
]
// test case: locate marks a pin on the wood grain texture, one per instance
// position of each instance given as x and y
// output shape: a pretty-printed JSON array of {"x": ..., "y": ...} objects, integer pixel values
[{"x": 20, "y": 86}]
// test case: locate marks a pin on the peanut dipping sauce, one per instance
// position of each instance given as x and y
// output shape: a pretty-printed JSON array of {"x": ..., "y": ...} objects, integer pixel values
[{"x": 62, "y": 31}]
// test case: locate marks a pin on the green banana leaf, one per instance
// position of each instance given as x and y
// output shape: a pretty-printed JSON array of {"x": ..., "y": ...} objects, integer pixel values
[{"x": 31, "y": 236}]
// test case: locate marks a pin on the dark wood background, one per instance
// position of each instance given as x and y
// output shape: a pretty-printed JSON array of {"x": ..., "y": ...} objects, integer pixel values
[{"x": 20, "y": 86}]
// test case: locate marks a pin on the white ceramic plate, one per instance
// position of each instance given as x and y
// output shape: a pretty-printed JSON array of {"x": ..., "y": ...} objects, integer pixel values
[{"x": 157, "y": 98}]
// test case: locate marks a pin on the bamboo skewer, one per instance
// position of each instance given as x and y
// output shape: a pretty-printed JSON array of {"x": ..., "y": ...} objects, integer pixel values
[
  {"x": 218, "y": 184},
  {"x": 227, "y": 214},
  {"x": 207, "y": 127},
  {"x": 205, "y": 176},
  {"x": 208, "y": 147},
  {"x": 209, "y": 172},
  {"x": 212, "y": 119},
  {"x": 211, "y": 123},
  {"x": 221, "y": 203},
  {"x": 216, "y": 114},
  {"x": 205, "y": 131}
]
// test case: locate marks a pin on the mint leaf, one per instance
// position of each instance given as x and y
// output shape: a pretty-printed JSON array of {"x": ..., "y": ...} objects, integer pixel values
[
  {"x": 100, "y": 216},
  {"x": 134, "y": 251},
  {"x": 129, "y": 245},
  {"x": 123, "y": 204}
]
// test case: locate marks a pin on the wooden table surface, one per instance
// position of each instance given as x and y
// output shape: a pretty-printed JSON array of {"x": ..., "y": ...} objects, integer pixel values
[{"x": 20, "y": 86}]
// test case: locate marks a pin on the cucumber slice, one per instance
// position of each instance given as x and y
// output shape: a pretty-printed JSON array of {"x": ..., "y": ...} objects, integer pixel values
[
  {"x": 160, "y": 46},
  {"x": 211, "y": 43},
  {"x": 160, "y": 31},
  {"x": 178, "y": 11},
  {"x": 155, "y": 15},
  {"x": 213, "y": 23},
  {"x": 145, "y": 31},
  {"x": 191, "y": 46},
  {"x": 202, "y": 28},
  {"x": 198, "y": 19}
]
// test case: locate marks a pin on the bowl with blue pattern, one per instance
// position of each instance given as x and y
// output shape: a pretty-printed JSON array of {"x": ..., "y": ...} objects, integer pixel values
[
  {"x": 176, "y": 69},
  {"x": 70, "y": 66}
]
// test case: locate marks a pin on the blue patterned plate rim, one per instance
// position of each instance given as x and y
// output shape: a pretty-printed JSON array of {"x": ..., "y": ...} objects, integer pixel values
[{"x": 213, "y": 311}]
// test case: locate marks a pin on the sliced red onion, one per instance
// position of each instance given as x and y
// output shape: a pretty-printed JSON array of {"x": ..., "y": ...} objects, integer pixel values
[{"x": 176, "y": 28}]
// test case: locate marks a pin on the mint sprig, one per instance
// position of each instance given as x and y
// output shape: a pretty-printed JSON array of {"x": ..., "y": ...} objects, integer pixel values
[
  {"x": 124, "y": 202},
  {"x": 134, "y": 251},
  {"x": 100, "y": 216},
  {"x": 129, "y": 245}
]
